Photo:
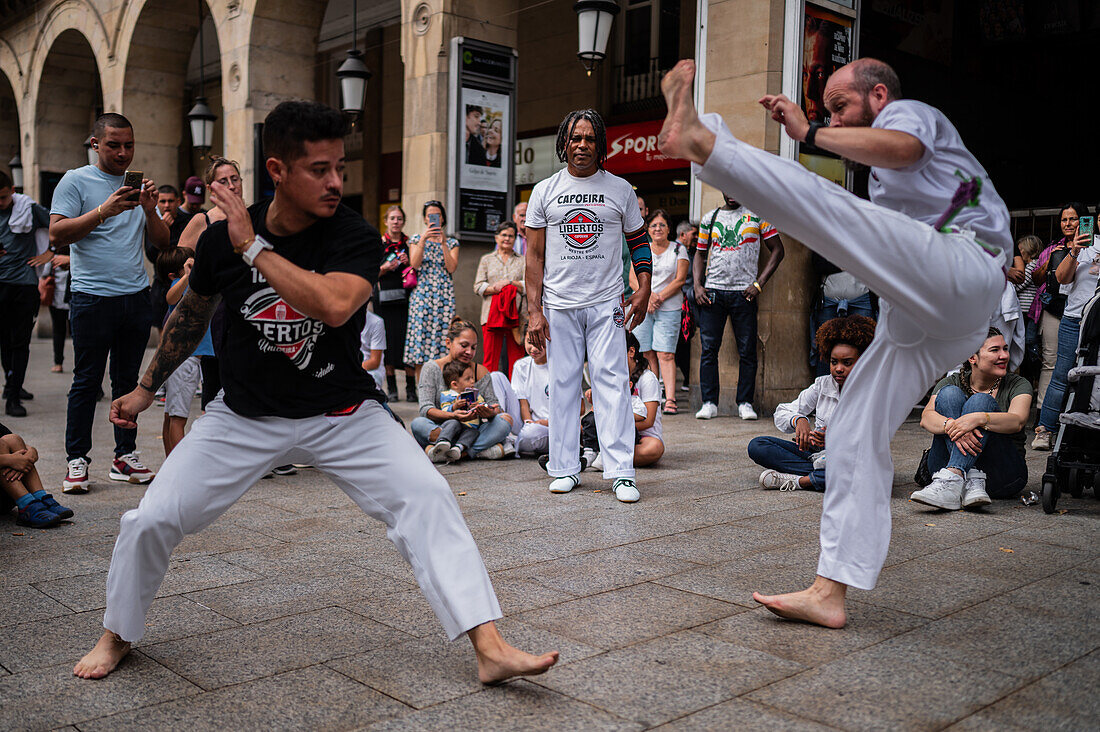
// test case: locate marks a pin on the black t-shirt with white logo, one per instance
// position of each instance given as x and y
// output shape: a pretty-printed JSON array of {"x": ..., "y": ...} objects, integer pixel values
[{"x": 275, "y": 361}]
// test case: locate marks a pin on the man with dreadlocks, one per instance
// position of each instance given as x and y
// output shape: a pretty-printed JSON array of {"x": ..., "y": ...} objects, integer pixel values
[
  {"x": 576, "y": 219},
  {"x": 938, "y": 284}
]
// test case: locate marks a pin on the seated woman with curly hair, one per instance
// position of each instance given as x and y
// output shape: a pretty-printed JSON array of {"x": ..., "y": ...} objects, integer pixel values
[{"x": 800, "y": 464}]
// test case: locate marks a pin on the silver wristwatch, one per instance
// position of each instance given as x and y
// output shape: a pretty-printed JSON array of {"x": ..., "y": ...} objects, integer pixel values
[{"x": 258, "y": 245}]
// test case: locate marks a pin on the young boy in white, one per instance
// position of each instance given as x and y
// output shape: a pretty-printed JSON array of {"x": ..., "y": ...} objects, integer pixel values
[
  {"x": 372, "y": 344},
  {"x": 531, "y": 384},
  {"x": 576, "y": 223},
  {"x": 938, "y": 289}
]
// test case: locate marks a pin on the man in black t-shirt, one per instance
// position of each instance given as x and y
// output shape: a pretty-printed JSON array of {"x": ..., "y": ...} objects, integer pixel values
[{"x": 295, "y": 273}]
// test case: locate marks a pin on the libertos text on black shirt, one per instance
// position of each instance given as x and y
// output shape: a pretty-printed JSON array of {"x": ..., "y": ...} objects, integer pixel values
[{"x": 275, "y": 361}]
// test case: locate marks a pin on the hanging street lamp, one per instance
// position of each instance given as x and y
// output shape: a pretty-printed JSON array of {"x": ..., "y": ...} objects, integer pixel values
[
  {"x": 353, "y": 73},
  {"x": 594, "y": 18},
  {"x": 15, "y": 165}
]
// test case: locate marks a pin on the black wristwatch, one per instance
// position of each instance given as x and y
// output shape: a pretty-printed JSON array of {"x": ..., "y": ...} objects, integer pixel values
[{"x": 812, "y": 132}]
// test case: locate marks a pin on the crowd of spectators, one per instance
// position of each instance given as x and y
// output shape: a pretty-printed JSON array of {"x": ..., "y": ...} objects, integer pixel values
[{"x": 83, "y": 260}]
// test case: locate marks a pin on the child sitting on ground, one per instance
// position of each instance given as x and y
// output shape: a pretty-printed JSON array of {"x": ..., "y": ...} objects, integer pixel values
[
  {"x": 800, "y": 464},
  {"x": 23, "y": 487},
  {"x": 645, "y": 401},
  {"x": 456, "y": 436},
  {"x": 174, "y": 265},
  {"x": 531, "y": 384}
]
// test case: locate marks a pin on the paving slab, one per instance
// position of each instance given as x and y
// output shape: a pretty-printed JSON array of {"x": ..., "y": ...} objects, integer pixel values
[{"x": 294, "y": 611}]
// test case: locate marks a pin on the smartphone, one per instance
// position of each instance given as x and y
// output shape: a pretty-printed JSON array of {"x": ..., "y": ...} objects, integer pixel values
[
  {"x": 433, "y": 219},
  {"x": 391, "y": 256},
  {"x": 1086, "y": 225},
  {"x": 470, "y": 397},
  {"x": 133, "y": 179}
]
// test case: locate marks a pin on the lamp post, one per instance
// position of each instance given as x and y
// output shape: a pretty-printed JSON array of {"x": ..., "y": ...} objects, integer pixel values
[
  {"x": 594, "y": 18},
  {"x": 93, "y": 156},
  {"x": 15, "y": 165},
  {"x": 353, "y": 73},
  {"x": 200, "y": 117}
]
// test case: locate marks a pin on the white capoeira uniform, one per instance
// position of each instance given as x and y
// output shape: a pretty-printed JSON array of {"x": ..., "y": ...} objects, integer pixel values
[
  {"x": 531, "y": 381},
  {"x": 295, "y": 391},
  {"x": 585, "y": 219},
  {"x": 938, "y": 291}
]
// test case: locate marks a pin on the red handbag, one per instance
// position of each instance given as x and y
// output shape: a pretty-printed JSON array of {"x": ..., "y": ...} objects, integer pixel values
[{"x": 46, "y": 289}]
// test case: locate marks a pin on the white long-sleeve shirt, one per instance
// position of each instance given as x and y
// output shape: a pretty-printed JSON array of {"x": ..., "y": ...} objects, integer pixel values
[{"x": 819, "y": 399}]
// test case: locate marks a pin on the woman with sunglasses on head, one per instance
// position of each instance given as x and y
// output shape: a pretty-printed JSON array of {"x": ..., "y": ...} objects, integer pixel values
[{"x": 432, "y": 303}]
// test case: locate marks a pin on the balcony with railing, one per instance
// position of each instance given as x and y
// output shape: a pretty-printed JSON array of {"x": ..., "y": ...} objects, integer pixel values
[{"x": 637, "y": 87}]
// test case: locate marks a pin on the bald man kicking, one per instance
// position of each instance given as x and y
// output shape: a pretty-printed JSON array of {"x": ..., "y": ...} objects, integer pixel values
[{"x": 937, "y": 267}]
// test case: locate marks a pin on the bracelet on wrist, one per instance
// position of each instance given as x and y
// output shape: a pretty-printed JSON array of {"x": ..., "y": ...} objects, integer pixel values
[
  {"x": 149, "y": 389},
  {"x": 757, "y": 286}
]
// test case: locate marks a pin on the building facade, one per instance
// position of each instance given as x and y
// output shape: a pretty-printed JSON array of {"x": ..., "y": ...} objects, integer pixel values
[{"x": 62, "y": 62}]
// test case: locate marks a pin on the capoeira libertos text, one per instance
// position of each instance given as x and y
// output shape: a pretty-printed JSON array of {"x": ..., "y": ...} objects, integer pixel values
[
  {"x": 938, "y": 286},
  {"x": 295, "y": 273}
]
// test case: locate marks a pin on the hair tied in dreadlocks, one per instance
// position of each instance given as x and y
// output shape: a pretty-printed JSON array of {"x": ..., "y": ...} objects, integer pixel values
[{"x": 565, "y": 131}]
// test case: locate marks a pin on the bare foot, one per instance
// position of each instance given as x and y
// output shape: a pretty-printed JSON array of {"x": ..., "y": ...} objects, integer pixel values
[
  {"x": 497, "y": 661},
  {"x": 822, "y": 603},
  {"x": 102, "y": 659},
  {"x": 683, "y": 135}
]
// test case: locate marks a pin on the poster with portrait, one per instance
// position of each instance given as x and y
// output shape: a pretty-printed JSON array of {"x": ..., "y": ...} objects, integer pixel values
[
  {"x": 485, "y": 135},
  {"x": 826, "y": 46}
]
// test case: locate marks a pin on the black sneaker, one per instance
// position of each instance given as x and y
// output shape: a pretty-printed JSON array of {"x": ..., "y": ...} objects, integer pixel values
[
  {"x": 15, "y": 409},
  {"x": 24, "y": 395}
]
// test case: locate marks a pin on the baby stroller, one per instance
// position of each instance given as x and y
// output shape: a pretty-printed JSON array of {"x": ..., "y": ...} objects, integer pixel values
[{"x": 1075, "y": 460}]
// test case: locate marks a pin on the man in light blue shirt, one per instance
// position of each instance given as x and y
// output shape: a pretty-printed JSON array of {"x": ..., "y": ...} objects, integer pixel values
[{"x": 105, "y": 223}]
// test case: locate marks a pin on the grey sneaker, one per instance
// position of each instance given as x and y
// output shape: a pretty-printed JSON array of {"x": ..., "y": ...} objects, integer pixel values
[
  {"x": 945, "y": 491},
  {"x": 1042, "y": 440},
  {"x": 974, "y": 495},
  {"x": 774, "y": 480}
]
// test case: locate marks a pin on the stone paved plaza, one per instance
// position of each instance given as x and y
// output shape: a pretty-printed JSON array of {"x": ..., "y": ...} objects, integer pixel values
[{"x": 294, "y": 612}]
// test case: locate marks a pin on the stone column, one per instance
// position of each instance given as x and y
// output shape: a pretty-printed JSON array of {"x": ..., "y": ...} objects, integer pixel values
[{"x": 734, "y": 81}]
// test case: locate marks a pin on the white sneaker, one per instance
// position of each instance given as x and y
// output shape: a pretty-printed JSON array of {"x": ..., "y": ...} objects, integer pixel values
[
  {"x": 437, "y": 453},
  {"x": 76, "y": 479},
  {"x": 1042, "y": 440},
  {"x": 745, "y": 411},
  {"x": 709, "y": 410},
  {"x": 494, "y": 452},
  {"x": 565, "y": 483},
  {"x": 945, "y": 491},
  {"x": 454, "y": 454},
  {"x": 588, "y": 456},
  {"x": 597, "y": 462},
  {"x": 626, "y": 491},
  {"x": 974, "y": 495},
  {"x": 771, "y": 480},
  {"x": 818, "y": 459},
  {"x": 509, "y": 445}
]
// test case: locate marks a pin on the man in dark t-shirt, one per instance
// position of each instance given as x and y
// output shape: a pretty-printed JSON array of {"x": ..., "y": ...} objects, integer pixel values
[{"x": 295, "y": 273}]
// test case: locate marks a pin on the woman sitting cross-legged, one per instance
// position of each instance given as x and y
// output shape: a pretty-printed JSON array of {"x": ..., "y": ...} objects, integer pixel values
[
  {"x": 977, "y": 417},
  {"x": 494, "y": 427},
  {"x": 801, "y": 464}
]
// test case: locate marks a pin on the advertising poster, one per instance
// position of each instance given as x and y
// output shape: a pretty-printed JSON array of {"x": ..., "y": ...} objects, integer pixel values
[
  {"x": 826, "y": 46},
  {"x": 485, "y": 131}
]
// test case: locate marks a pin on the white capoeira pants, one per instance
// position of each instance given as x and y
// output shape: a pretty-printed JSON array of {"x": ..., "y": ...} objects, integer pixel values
[
  {"x": 367, "y": 454},
  {"x": 534, "y": 439},
  {"x": 937, "y": 293},
  {"x": 572, "y": 332}
]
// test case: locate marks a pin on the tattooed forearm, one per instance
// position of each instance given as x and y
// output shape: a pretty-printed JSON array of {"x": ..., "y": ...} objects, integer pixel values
[{"x": 182, "y": 333}]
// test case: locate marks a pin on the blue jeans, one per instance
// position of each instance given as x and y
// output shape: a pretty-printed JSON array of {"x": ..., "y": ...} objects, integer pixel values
[
  {"x": 104, "y": 326},
  {"x": 1004, "y": 466},
  {"x": 1068, "y": 332},
  {"x": 829, "y": 309},
  {"x": 712, "y": 321},
  {"x": 490, "y": 432},
  {"x": 786, "y": 457}
]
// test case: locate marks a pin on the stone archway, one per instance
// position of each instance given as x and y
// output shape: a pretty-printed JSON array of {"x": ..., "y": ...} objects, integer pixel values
[
  {"x": 69, "y": 97},
  {"x": 9, "y": 123},
  {"x": 156, "y": 90}
]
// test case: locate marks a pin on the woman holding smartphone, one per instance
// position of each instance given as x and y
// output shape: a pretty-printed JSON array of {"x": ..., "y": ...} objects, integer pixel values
[
  {"x": 1077, "y": 273},
  {"x": 432, "y": 302}
]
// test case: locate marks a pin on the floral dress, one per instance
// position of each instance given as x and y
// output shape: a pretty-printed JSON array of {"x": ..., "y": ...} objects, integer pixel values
[{"x": 431, "y": 305}]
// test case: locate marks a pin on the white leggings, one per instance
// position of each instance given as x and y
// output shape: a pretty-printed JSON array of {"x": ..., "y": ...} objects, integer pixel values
[
  {"x": 534, "y": 439},
  {"x": 366, "y": 454},
  {"x": 938, "y": 292},
  {"x": 600, "y": 329}
]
